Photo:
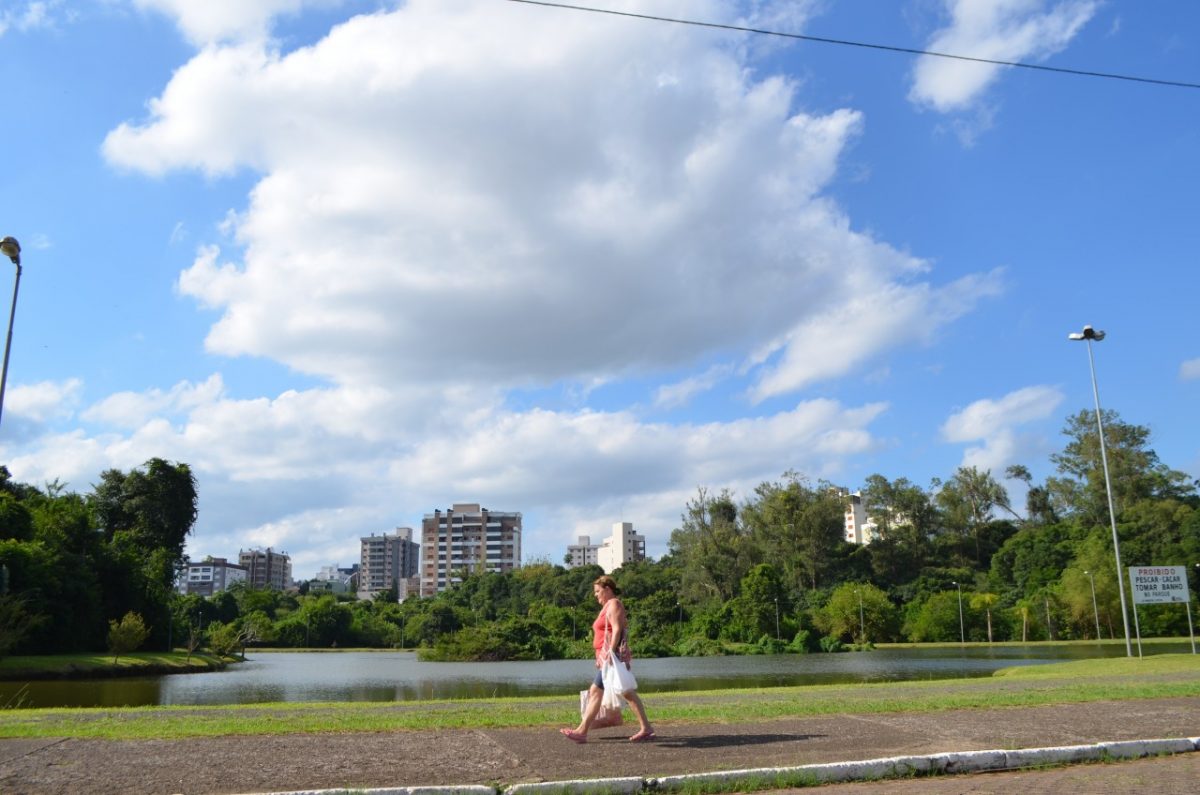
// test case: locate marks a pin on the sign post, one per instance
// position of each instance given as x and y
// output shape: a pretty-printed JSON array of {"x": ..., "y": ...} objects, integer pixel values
[{"x": 1157, "y": 585}]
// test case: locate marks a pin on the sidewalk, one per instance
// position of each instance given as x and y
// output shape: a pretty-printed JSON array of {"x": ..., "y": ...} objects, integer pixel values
[{"x": 503, "y": 757}]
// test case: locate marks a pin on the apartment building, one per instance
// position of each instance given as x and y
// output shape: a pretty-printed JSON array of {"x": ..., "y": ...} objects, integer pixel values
[
  {"x": 387, "y": 561},
  {"x": 467, "y": 538},
  {"x": 332, "y": 579},
  {"x": 582, "y": 553},
  {"x": 860, "y": 529},
  {"x": 623, "y": 546},
  {"x": 210, "y": 576},
  {"x": 266, "y": 568}
]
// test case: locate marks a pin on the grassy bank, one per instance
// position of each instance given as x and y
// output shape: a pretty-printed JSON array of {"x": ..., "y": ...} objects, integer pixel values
[
  {"x": 91, "y": 666},
  {"x": 1164, "y": 676}
]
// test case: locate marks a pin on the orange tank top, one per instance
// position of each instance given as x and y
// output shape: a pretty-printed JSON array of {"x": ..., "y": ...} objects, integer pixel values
[{"x": 599, "y": 631}]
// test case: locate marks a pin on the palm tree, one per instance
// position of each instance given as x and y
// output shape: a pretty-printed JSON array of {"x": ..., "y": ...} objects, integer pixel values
[{"x": 985, "y": 600}]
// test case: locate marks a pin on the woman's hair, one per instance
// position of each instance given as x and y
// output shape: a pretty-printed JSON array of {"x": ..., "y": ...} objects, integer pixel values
[{"x": 608, "y": 582}]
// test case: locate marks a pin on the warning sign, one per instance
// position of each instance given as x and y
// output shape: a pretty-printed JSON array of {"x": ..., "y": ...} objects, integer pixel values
[{"x": 1154, "y": 585}]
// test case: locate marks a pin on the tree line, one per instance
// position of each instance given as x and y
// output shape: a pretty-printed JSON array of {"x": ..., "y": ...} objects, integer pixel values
[{"x": 769, "y": 572}]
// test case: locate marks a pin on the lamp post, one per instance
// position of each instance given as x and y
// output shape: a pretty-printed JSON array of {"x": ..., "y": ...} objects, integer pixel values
[
  {"x": 1095, "y": 610},
  {"x": 10, "y": 248},
  {"x": 1087, "y": 335},
  {"x": 962, "y": 632},
  {"x": 776, "y": 618}
]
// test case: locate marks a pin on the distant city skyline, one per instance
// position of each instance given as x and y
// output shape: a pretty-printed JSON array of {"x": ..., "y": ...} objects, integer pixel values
[{"x": 352, "y": 262}]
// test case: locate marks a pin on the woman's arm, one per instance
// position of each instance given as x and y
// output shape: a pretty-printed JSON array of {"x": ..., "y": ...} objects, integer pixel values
[{"x": 618, "y": 621}]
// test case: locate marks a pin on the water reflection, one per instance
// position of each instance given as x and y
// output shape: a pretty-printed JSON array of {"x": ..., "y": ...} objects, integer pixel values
[{"x": 400, "y": 676}]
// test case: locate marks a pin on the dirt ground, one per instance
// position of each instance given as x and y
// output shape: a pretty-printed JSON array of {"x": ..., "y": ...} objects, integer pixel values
[{"x": 498, "y": 757}]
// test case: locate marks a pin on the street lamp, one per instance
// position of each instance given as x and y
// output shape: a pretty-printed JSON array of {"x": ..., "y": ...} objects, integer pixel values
[
  {"x": 962, "y": 632},
  {"x": 10, "y": 248},
  {"x": 1095, "y": 610},
  {"x": 1087, "y": 335},
  {"x": 776, "y": 618}
]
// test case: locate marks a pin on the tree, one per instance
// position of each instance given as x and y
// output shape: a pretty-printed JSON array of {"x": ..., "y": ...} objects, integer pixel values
[
  {"x": 905, "y": 520},
  {"x": 194, "y": 640},
  {"x": 15, "y": 623},
  {"x": 934, "y": 620},
  {"x": 155, "y": 506},
  {"x": 985, "y": 601},
  {"x": 126, "y": 635},
  {"x": 712, "y": 550},
  {"x": 857, "y": 610},
  {"x": 1135, "y": 471},
  {"x": 224, "y": 639},
  {"x": 1039, "y": 508},
  {"x": 754, "y": 612},
  {"x": 967, "y": 502},
  {"x": 797, "y": 528}
]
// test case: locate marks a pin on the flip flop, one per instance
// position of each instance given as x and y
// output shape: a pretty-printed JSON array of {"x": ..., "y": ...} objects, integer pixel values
[
  {"x": 642, "y": 737},
  {"x": 573, "y": 736}
]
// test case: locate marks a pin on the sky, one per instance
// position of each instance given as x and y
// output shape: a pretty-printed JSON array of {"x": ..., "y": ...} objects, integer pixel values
[{"x": 355, "y": 261}]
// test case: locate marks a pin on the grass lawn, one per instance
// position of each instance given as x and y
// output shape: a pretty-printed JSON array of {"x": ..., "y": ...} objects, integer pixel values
[
  {"x": 85, "y": 665},
  {"x": 1160, "y": 676}
]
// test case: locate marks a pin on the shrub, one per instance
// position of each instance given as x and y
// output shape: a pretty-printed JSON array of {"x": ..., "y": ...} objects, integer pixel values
[
  {"x": 127, "y": 634},
  {"x": 699, "y": 646},
  {"x": 832, "y": 644},
  {"x": 771, "y": 645},
  {"x": 803, "y": 643}
]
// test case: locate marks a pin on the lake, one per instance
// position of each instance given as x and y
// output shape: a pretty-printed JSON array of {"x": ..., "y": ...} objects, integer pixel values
[{"x": 400, "y": 676}]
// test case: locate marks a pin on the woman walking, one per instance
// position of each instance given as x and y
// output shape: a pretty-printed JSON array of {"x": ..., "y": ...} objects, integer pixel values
[{"x": 609, "y": 638}]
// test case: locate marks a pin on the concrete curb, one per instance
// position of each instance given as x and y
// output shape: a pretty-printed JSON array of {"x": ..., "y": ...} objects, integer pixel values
[{"x": 833, "y": 772}]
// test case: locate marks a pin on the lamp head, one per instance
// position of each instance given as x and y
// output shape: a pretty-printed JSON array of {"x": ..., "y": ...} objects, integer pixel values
[
  {"x": 11, "y": 249},
  {"x": 1088, "y": 333}
]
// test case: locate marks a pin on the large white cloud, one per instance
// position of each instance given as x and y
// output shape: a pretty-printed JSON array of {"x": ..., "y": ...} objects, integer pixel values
[
  {"x": 465, "y": 191},
  {"x": 1002, "y": 30},
  {"x": 996, "y": 424},
  {"x": 208, "y": 21},
  {"x": 837, "y": 341},
  {"x": 457, "y": 197}
]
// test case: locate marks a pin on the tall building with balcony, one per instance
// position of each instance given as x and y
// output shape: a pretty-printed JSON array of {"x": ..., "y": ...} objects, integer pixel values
[
  {"x": 467, "y": 539},
  {"x": 266, "y": 568},
  {"x": 387, "y": 561}
]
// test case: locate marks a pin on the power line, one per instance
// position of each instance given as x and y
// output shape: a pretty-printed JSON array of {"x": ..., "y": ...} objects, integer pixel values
[{"x": 865, "y": 45}]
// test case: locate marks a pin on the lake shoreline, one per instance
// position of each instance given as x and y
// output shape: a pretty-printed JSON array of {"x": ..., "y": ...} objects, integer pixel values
[{"x": 67, "y": 667}]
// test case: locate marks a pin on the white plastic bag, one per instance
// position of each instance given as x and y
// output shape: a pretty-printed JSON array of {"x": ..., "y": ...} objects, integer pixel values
[{"x": 616, "y": 677}]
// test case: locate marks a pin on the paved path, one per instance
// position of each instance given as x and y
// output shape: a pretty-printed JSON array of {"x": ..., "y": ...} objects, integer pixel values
[{"x": 501, "y": 757}]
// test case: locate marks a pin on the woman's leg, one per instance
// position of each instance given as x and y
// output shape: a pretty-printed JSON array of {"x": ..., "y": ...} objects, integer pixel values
[
  {"x": 639, "y": 709},
  {"x": 589, "y": 715}
]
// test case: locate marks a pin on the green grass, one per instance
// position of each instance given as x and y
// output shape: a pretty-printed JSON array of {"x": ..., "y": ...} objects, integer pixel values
[
  {"x": 1161, "y": 676},
  {"x": 59, "y": 665}
]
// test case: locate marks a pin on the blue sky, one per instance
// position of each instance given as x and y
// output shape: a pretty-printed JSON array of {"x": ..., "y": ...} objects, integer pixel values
[{"x": 354, "y": 261}]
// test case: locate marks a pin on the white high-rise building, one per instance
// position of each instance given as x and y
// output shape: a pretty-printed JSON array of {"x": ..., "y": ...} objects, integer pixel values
[
  {"x": 859, "y": 527},
  {"x": 623, "y": 546}
]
